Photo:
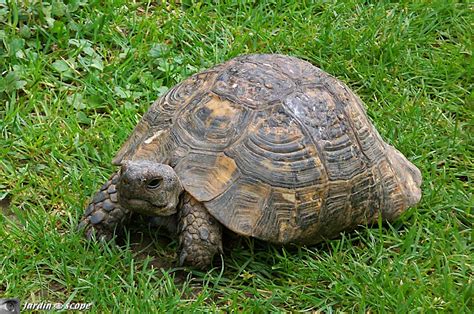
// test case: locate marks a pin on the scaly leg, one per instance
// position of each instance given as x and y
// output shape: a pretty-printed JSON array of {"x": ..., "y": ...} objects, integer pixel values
[
  {"x": 200, "y": 234},
  {"x": 104, "y": 214}
]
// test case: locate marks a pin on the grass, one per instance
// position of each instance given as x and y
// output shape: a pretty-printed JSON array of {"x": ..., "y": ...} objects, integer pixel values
[{"x": 77, "y": 75}]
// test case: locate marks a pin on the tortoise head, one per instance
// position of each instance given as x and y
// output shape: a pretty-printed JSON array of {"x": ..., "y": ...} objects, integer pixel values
[{"x": 149, "y": 188}]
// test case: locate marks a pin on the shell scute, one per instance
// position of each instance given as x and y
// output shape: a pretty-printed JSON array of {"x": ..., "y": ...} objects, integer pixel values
[{"x": 277, "y": 149}]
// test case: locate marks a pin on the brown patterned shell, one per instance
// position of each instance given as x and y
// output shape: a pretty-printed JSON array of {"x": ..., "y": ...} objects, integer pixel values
[{"x": 276, "y": 149}]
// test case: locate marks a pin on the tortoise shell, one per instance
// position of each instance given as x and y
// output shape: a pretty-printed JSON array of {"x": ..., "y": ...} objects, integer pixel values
[{"x": 277, "y": 149}]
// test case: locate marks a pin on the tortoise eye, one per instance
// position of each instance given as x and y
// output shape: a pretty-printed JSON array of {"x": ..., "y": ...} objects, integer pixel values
[{"x": 154, "y": 183}]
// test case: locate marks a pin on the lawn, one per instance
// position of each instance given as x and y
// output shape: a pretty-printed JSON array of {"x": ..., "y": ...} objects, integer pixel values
[{"x": 77, "y": 75}]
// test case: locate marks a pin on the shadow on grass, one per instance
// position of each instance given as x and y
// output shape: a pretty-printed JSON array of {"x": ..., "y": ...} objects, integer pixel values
[{"x": 157, "y": 249}]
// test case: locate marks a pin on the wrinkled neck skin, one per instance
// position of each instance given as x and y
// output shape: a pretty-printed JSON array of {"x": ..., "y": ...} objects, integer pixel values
[{"x": 170, "y": 223}]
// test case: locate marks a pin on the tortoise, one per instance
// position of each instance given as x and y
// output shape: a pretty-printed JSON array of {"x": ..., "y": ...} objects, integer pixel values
[{"x": 266, "y": 146}]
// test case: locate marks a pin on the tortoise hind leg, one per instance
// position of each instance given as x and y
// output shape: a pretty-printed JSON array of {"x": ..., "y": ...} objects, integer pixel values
[
  {"x": 104, "y": 214},
  {"x": 200, "y": 234}
]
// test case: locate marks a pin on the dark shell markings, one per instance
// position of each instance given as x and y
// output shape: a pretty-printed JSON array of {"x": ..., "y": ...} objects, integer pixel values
[{"x": 268, "y": 146}]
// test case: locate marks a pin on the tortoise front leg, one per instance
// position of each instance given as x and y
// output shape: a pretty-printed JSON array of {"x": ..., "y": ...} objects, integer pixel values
[
  {"x": 104, "y": 214},
  {"x": 200, "y": 234}
]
